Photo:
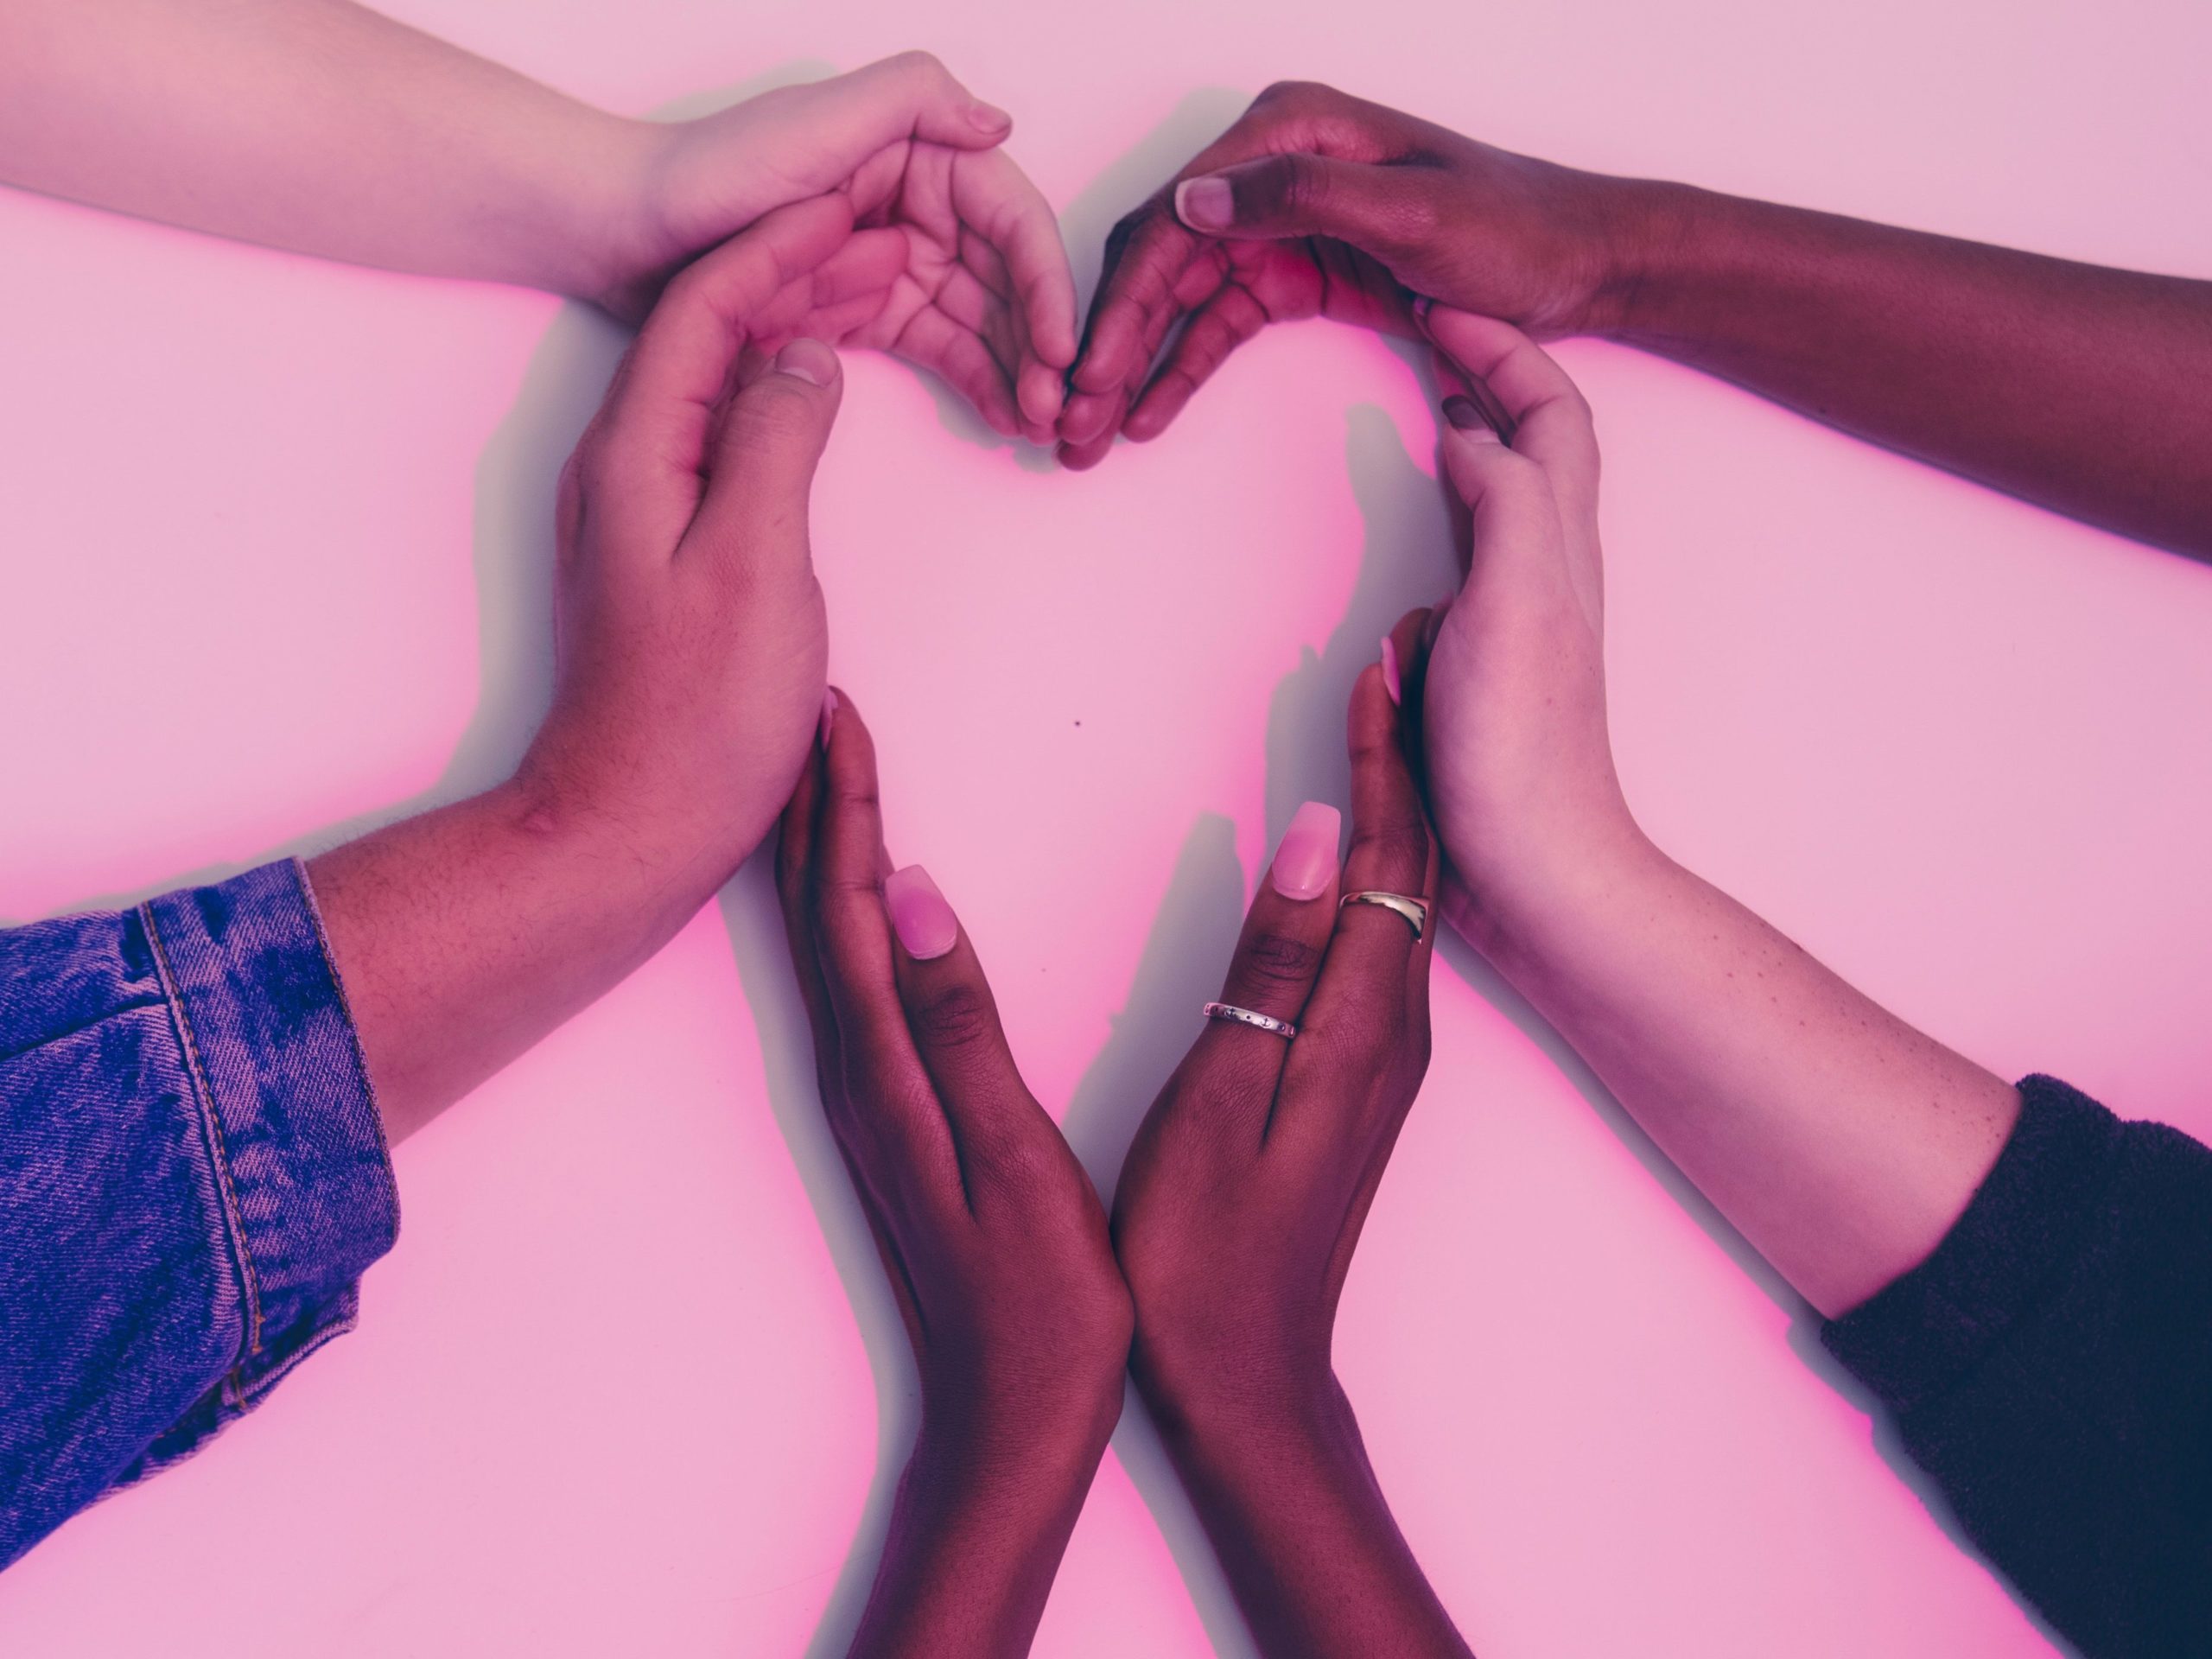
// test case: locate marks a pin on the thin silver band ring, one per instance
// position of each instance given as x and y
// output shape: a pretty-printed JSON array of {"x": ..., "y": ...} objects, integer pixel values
[{"x": 1281, "y": 1028}]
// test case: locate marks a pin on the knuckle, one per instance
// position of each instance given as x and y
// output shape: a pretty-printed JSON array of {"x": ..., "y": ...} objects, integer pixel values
[
  {"x": 1298, "y": 181},
  {"x": 1127, "y": 227},
  {"x": 1014, "y": 1164},
  {"x": 1395, "y": 850},
  {"x": 1279, "y": 93},
  {"x": 957, "y": 1017},
  {"x": 1278, "y": 961}
]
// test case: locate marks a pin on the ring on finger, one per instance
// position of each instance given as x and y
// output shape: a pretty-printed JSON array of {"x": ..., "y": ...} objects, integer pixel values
[
  {"x": 1281, "y": 1028},
  {"x": 1415, "y": 911}
]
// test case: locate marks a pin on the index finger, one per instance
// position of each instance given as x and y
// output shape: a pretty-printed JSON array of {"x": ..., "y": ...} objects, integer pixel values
[
  {"x": 1006, "y": 1144},
  {"x": 1277, "y": 958}
]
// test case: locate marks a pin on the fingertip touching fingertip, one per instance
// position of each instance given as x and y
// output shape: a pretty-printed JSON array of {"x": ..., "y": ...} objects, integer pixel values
[{"x": 924, "y": 924}]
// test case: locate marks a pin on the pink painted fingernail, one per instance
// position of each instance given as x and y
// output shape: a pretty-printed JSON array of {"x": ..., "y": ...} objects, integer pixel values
[
  {"x": 1390, "y": 681},
  {"x": 1305, "y": 862},
  {"x": 924, "y": 922},
  {"x": 1205, "y": 204},
  {"x": 829, "y": 715}
]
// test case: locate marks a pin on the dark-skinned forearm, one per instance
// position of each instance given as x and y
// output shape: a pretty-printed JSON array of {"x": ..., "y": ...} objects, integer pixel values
[
  {"x": 1302, "y": 1529},
  {"x": 2075, "y": 387},
  {"x": 973, "y": 1543}
]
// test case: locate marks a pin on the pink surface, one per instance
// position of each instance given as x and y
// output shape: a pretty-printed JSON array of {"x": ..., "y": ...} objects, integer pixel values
[{"x": 275, "y": 535}]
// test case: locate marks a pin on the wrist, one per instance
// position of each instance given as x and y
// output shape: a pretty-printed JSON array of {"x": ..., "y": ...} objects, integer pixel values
[
  {"x": 622, "y": 247},
  {"x": 1209, "y": 1403},
  {"x": 1522, "y": 913},
  {"x": 1227, "y": 1443},
  {"x": 973, "y": 1543},
  {"x": 1647, "y": 228},
  {"x": 660, "y": 863}
]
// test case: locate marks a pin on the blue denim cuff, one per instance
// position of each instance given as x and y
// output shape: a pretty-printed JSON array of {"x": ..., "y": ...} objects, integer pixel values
[{"x": 293, "y": 1135}]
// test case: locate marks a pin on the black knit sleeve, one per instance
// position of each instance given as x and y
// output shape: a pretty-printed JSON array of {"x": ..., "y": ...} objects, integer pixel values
[{"x": 2050, "y": 1364}]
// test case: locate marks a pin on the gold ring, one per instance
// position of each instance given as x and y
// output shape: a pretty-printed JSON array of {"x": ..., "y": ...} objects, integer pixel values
[{"x": 1414, "y": 910}]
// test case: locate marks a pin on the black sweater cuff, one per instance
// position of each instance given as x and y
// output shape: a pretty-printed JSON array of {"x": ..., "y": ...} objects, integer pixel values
[{"x": 1913, "y": 1339}]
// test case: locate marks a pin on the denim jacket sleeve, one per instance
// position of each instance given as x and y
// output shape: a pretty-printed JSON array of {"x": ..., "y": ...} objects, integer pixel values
[{"x": 193, "y": 1177}]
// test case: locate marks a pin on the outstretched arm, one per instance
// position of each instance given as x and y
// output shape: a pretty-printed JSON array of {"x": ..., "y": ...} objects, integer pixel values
[
  {"x": 322, "y": 127},
  {"x": 2075, "y": 387},
  {"x": 2081, "y": 388},
  {"x": 318, "y": 126},
  {"x": 1840, "y": 1141},
  {"x": 692, "y": 657}
]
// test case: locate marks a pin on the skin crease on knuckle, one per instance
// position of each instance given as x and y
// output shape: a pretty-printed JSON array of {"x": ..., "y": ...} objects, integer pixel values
[
  {"x": 956, "y": 1018},
  {"x": 1278, "y": 961}
]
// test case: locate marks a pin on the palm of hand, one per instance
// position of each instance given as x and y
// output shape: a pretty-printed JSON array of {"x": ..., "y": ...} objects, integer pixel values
[{"x": 984, "y": 300}]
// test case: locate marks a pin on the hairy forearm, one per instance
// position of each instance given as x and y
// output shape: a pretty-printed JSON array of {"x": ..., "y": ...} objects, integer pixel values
[
  {"x": 1841, "y": 1142},
  {"x": 1302, "y": 1530},
  {"x": 465, "y": 935},
  {"x": 318, "y": 126},
  {"x": 2075, "y": 387},
  {"x": 973, "y": 1543}
]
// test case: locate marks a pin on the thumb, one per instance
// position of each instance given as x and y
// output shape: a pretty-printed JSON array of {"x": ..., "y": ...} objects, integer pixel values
[
  {"x": 761, "y": 470},
  {"x": 1507, "y": 499},
  {"x": 1382, "y": 210}
]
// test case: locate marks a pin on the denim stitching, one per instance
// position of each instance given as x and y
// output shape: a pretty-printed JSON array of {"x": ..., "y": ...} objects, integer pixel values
[
  {"x": 346, "y": 1018},
  {"x": 212, "y": 1127}
]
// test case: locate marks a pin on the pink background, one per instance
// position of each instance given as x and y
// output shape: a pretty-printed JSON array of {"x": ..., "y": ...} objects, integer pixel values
[{"x": 631, "y": 1383}]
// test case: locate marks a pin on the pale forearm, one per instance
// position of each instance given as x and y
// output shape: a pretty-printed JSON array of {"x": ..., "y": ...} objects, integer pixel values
[
  {"x": 1841, "y": 1142},
  {"x": 465, "y": 935},
  {"x": 318, "y": 126},
  {"x": 2077, "y": 386}
]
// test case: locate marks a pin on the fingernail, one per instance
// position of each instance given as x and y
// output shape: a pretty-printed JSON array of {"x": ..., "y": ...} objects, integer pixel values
[
  {"x": 1305, "y": 862},
  {"x": 988, "y": 117},
  {"x": 1205, "y": 204},
  {"x": 829, "y": 714},
  {"x": 1422, "y": 306},
  {"x": 1390, "y": 681},
  {"x": 925, "y": 923},
  {"x": 1466, "y": 416},
  {"x": 808, "y": 361}
]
